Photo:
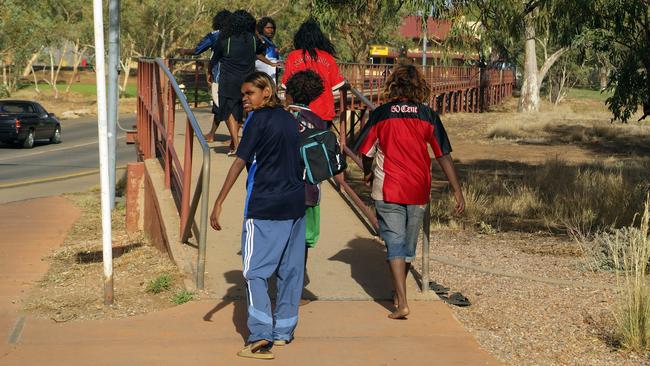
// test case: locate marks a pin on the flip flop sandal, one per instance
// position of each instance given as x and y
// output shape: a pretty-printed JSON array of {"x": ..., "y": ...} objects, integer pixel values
[
  {"x": 456, "y": 299},
  {"x": 232, "y": 153},
  {"x": 281, "y": 342},
  {"x": 438, "y": 288},
  {"x": 258, "y": 350}
]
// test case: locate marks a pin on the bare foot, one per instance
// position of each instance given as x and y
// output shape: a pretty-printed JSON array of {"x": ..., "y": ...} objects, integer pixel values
[
  {"x": 208, "y": 137},
  {"x": 400, "y": 313}
]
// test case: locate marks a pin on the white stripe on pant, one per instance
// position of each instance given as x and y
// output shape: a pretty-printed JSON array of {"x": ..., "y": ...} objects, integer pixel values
[{"x": 270, "y": 246}]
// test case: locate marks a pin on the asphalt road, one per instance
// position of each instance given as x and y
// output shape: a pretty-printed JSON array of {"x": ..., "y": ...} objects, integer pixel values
[{"x": 70, "y": 166}]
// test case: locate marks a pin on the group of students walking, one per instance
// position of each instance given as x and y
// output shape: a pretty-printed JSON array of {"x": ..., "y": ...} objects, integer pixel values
[{"x": 281, "y": 213}]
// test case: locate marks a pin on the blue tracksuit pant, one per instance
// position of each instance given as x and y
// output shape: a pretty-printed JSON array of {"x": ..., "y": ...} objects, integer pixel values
[{"x": 267, "y": 246}]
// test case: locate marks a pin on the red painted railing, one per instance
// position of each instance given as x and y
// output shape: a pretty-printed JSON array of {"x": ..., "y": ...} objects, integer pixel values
[
  {"x": 454, "y": 89},
  {"x": 156, "y": 119}
]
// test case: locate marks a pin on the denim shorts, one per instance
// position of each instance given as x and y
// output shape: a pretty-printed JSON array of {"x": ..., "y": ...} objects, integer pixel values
[{"x": 399, "y": 226}]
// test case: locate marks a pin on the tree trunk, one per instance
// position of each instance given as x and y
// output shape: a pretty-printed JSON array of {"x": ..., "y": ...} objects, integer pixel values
[
  {"x": 78, "y": 56},
  {"x": 603, "y": 74},
  {"x": 529, "y": 100},
  {"x": 51, "y": 82},
  {"x": 38, "y": 91},
  {"x": 4, "y": 75},
  {"x": 126, "y": 67},
  {"x": 58, "y": 70},
  {"x": 28, "y": 69}
]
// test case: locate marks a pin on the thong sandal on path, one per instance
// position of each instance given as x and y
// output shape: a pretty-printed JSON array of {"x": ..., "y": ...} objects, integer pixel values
[
  {"x": 456, "y": 299},
  {"x": 438, "y": 288},
  {"x": 259, "y": 350}
]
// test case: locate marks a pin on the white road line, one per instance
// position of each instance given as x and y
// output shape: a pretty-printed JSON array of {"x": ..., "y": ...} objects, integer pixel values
[{"x": 55, "y": 149}]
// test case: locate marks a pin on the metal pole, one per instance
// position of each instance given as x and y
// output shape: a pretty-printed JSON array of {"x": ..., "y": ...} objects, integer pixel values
[
  {"x": 103, "y": 151},
  {"x": 426, "y": 231},
  {"x": 113, "y": 79},
  {"x": 203, "y": 229},
  {"x": 425, "y": 20}
]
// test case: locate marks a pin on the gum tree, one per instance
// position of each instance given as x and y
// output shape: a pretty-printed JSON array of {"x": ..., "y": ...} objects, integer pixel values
[
  {"x": 623, "y": 33},
  {"x": 359, "y": 23},
  {"x": 513, "y": 25}
]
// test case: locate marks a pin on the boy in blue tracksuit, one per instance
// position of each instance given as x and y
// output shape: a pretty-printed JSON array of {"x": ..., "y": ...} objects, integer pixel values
[{"x": 273, "y": 235}]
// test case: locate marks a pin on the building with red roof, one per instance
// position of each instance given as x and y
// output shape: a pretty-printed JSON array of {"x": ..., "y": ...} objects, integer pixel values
[{"x": 411, "y": 28}]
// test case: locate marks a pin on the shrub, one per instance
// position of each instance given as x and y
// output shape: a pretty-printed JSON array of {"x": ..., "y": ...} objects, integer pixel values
[
  {"x": 182, "y": 297},
  {"x": 160, "y": 284}
]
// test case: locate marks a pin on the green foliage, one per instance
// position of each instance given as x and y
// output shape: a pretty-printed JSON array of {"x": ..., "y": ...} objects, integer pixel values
[
  {"x": 160, "y": 284},
  {"x": 355, "y": 25},
  {"x": 618, "y": 41},
  {"x": 4, "y": 91},
  {"x": 17, "y": 41},
  {"x": 182, "y": 297},
  {"x": 629, "y": 82}
]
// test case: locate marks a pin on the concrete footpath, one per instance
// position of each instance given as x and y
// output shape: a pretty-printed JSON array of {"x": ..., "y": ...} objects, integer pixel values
[{"x": 207, "y": 332}]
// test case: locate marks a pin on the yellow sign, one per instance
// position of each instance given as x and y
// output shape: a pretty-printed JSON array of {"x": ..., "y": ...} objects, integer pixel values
[{"x": 377, "y": 50}]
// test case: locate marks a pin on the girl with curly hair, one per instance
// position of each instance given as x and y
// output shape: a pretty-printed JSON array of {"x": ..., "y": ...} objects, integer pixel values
[{"x": 396, "y": 136}]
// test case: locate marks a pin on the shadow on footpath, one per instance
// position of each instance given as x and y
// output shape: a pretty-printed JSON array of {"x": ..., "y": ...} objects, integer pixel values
[
  {"x": 235, "y": 295},
  {"x": 367, "y": 260}
]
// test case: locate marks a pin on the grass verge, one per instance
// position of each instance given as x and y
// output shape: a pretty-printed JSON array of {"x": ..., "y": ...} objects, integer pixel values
[
  {"x": 562, "y": 197},
  {"x": 72, "y": 287}
]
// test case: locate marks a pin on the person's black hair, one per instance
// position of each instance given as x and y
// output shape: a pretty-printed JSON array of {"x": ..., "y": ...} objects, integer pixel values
[
  {"x": 220, "y": 19},
  {"x": 309, "y": 37},
  {"x": 262, "y": 23},
  {"x": 238, "y": 23},
  {"x": 305, "y": 86}
]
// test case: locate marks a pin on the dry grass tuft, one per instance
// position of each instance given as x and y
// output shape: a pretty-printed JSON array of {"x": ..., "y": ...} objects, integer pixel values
[{"x": 630, "y": 252}]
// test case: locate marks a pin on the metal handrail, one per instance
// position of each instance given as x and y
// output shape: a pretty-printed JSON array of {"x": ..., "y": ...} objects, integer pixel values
[{"x": 171, "y": 161}]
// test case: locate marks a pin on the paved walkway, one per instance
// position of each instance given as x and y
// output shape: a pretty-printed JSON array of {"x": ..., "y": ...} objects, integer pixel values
[
  {"x": 347, "y": 263},
  {"x": 207, "y": 332},
  {"x": 347, "y": 269}
]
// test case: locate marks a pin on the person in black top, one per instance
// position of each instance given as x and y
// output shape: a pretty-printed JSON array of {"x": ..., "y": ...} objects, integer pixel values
[
  {"x": 273, "y": 234},
  {"x": 236, "y": 52}
]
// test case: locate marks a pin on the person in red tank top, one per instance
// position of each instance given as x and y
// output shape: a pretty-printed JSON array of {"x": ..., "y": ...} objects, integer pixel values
[{"x": 313, "y": 51}]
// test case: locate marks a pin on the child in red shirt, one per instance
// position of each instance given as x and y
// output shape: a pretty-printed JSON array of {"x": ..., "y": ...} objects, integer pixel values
[{"x": 396, "y": 136}]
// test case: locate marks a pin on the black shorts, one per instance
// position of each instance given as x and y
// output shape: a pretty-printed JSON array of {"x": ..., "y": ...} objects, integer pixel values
[{"x": 228, "y": 106}]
